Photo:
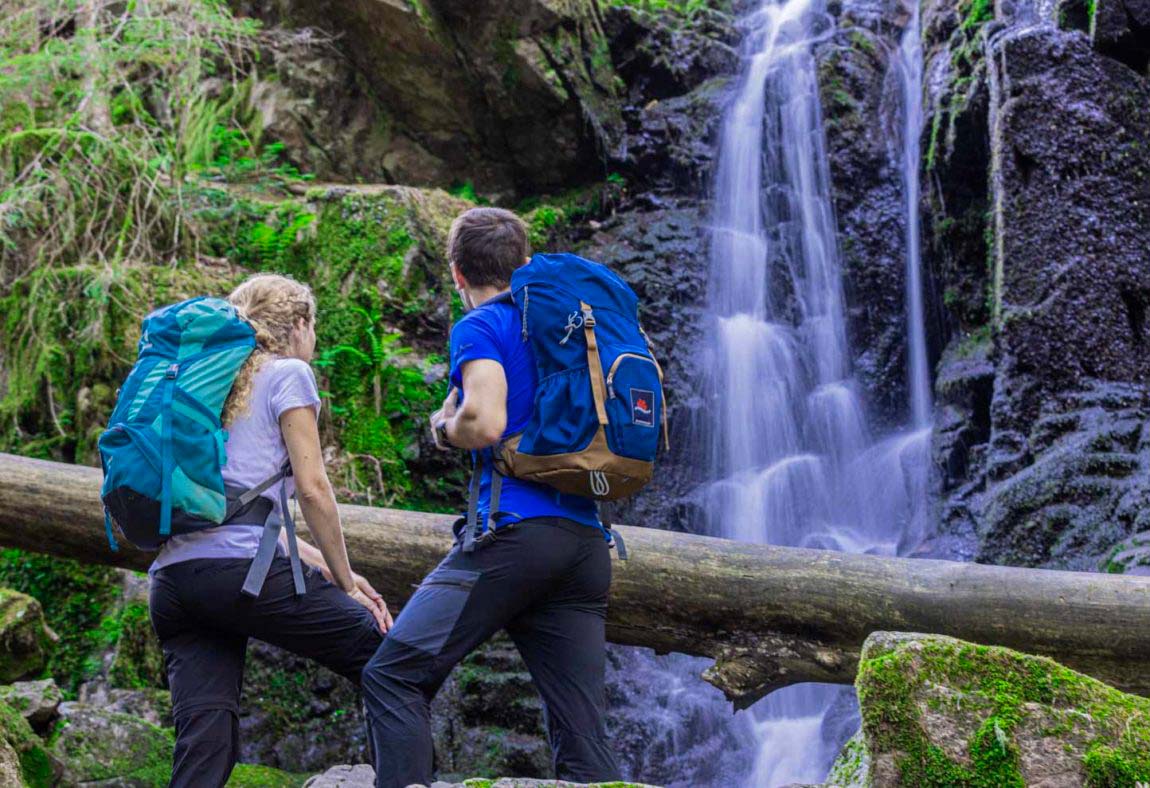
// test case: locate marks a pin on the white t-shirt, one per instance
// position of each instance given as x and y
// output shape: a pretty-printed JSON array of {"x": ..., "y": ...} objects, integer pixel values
[{"x": 255, "y": 451}]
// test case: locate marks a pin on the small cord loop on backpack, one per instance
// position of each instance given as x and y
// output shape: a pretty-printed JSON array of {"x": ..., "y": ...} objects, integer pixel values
[{"x": 108, "y": 530}]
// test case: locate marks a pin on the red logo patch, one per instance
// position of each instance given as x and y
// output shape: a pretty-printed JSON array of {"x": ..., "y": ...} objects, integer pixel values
[{"x": 642, "y": 407}]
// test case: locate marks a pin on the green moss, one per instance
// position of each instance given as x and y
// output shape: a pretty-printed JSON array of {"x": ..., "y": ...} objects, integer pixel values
[
  {"x": 977, "y": 12},
  {"x": 69, "y": 332},
  {"x": 548, "y": 217},
  {"x": 35, "y": 764},
  {"x": 75, "y": 597},
  {"x": 24, "y": 643},
  {"x": 139, "y": 663},
  {"x": 976, "y": 343},
  {"x": 863, "y": 42},
  {"x": 247, "y": 775},
  {"x": 999, "y": 683},
  {"x": 686, "y": 9},
  {"x": 137, "y": 753}
]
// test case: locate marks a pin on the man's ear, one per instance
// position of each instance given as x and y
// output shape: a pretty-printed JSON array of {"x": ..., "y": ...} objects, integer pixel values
[{"x": 457, "y": 277}]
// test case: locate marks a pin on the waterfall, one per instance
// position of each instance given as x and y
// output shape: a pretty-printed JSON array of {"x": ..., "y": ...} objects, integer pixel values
[
  {"x": 909, "y": 67},
  {"x": 793, "y": 459}
]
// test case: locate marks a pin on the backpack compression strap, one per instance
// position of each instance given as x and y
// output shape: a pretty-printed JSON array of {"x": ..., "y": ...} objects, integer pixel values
[{"x": 265, "y": 553}]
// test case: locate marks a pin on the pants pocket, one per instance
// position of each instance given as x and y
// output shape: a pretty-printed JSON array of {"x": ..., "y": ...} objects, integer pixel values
[{"x": 431, "y": 614}]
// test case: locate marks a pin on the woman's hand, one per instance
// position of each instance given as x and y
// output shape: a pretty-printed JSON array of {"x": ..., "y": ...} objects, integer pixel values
[{"x": 371, "y": 599}]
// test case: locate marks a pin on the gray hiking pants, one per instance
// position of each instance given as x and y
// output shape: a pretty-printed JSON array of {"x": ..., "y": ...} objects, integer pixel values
[
  {"x": 545, "y": 581},
  {"x": 204, "y": 622}
]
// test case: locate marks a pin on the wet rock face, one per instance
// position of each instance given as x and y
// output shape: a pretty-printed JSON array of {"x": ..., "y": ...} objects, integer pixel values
[
  {"x": 1065, "y": 464},
  {"x": 660, "y": 248},
  {"x": 1075, "y": 484},
  {"x": 1121, "y": 30},
  {"x": 861, "y": 106},
  {"x": 487, "y": 720},
  {"x": 1073, "y": 215},
  {"x": 1040, "y": 436}
]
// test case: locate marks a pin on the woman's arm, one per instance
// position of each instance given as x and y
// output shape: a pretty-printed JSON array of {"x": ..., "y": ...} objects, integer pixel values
[
  {"x": 310, "y": 555},
  {"x": 317, "y": 502}
]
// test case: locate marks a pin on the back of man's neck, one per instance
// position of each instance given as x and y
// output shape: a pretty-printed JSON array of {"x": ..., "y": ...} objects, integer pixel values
[{"x": 481, "y": 295}]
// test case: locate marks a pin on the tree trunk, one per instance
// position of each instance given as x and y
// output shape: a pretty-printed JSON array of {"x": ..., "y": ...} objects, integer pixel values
[{"x": 768, "y": 616}]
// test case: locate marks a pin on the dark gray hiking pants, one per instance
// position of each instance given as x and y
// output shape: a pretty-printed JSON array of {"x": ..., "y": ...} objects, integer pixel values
[
  {"x": 545, "y": 581},
  {"x": 204, "y": 622}
]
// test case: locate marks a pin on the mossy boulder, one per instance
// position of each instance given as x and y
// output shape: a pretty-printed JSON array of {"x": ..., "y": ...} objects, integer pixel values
[
  {"x": 95, "y": 744},
  {"x": 25, "y": 641},
  {"x": 37, "y": 701},
  {"x": 23, "y": 759},
  {"x": 942, "y": 712}
]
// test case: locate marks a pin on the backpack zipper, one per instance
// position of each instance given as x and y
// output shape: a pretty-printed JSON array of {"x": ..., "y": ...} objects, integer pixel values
[{"x": 615, "y": 366}]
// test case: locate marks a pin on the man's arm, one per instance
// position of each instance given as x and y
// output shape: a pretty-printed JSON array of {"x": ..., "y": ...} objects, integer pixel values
[{"x": 483, "y": 418}]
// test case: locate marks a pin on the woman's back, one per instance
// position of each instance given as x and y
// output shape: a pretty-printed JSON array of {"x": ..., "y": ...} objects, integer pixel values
[{"x": 255, "y": 452}]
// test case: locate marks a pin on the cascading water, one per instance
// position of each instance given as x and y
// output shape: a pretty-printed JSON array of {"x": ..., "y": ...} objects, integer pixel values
[
  {"x": 793, "y": 459},
  {"x": 909, "y": 67}
]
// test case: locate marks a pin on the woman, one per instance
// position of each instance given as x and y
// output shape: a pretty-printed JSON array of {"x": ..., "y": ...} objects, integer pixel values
[{"x": 199, "y": 614}]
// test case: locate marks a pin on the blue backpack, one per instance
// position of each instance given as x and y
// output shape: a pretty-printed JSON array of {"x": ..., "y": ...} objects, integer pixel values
[
  {"x": 165, "y": 444},
  {"x": 599, "y": 407}
]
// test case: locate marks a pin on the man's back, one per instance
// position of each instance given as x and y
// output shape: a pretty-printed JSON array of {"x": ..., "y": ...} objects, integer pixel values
[
  {"x": 492, "y": 331},
  {"x": 545, "y": 582}
]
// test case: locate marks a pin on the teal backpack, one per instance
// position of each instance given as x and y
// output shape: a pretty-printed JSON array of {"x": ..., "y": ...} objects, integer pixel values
[{"x": 165, "y": 444}]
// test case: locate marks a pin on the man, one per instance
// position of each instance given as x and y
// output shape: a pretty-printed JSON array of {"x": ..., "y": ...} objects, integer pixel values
[{"x": 541, "y": 573}]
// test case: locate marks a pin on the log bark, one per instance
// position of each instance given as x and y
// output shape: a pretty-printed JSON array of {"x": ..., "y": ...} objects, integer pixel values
[{"x": 768, "y": 616}]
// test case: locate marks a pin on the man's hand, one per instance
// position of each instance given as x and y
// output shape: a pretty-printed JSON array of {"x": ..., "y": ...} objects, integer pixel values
[
  {"x": 371, "y": 599},
  {"x": 441, "y": 417}
]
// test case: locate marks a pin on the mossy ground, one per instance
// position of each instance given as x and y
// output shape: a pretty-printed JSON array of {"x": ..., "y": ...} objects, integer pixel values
[
  {"x": 890, "y": 679},
  {"x": 247, "y": 775}
]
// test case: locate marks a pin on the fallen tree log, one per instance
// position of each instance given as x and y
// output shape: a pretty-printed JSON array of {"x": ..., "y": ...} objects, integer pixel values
[{"x": 768, "y": 616}]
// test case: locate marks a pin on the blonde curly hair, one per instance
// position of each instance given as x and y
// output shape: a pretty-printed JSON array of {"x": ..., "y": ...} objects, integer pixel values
[{"x": 273, "y": 305}]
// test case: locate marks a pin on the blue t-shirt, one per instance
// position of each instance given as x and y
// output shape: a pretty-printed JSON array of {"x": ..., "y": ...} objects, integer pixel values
[{"x": 493, "y": 331}]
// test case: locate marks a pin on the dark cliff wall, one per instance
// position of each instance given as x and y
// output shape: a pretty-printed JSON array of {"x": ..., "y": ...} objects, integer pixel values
[{"x": 1043, "y": 389}]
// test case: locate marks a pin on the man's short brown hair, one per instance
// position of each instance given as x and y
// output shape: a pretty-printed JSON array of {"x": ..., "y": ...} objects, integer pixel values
[{"x": 487, "y": 245}]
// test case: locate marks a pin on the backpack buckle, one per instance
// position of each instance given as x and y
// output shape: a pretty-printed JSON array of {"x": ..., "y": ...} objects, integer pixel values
[
  {"x": 173, "y": 371},
  {"x": 588, "y": 318}
]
